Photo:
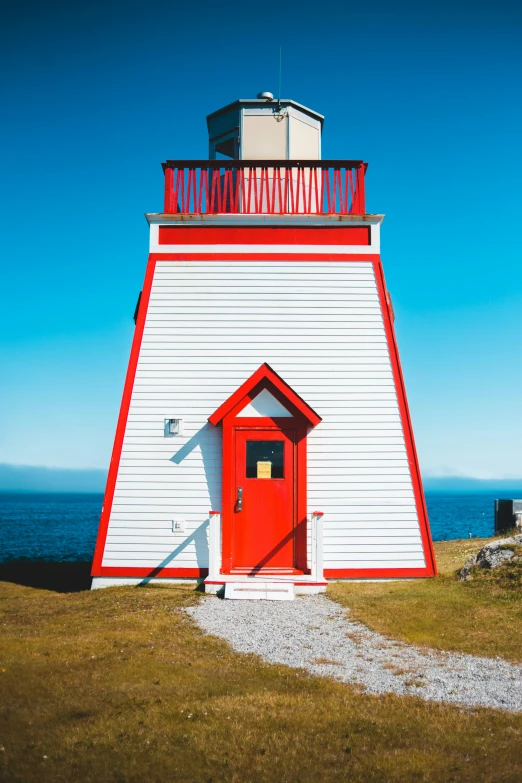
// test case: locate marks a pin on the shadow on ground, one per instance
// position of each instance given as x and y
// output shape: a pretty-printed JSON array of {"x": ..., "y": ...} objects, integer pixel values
[{"x": 59, "y": 577}]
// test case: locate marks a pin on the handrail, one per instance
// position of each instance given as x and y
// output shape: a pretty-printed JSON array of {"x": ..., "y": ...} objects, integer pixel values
[
  {"x": 279, "y": 163},
  {"x": 316, "y": 535},
  {"x": 283, "y": 187}
]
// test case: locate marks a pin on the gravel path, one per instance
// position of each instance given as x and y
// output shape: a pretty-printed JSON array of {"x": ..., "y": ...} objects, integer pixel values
[{"x": 316, "y": 634}]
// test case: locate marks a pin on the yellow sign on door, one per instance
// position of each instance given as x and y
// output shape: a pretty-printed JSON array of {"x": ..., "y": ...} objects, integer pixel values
[{"x": 264, "y": 470}]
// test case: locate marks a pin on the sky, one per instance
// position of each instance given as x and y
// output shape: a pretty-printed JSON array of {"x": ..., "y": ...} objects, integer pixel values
[{"x": 95, "y": 95}]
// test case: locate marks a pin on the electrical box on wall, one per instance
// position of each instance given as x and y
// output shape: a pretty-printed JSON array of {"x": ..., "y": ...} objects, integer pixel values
[
  {"x": 178, "y": 525},
  {"x": 172, "y": 427}
]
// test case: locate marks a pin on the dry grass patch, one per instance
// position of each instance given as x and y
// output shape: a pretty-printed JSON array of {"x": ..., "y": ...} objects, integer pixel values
[
  {"x": 451, "y": 555},
  {"x": 355, "y": 637},
  {"x": 415, "y": 683},
  {"x": 481, "y": 617},
  {"x": 120, "y": 686},
  {"x": 400, "y": 671}
]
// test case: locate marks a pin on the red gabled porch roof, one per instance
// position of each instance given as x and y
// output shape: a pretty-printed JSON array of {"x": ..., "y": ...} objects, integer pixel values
[{"x": 267, "y": 374}]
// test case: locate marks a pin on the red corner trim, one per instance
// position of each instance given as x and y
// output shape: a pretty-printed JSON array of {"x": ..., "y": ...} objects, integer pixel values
[
  {"x": 422, "y": 512},
  {"x": 122, "y": 423},
  {"x": 152, "y": 573},
  {"x": 265, "y": 373}
]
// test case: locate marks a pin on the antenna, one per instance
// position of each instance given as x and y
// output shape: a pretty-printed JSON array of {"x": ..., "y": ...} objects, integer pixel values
[{"x": 279, "y": 80}]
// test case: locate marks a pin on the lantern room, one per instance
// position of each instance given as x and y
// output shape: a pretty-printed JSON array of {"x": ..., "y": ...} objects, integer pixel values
[{"x": 265, "y": 129}]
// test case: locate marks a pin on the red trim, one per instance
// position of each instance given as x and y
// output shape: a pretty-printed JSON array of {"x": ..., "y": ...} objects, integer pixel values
[
  {"x": 122, "y": 423},
  {"x": 390, "y": 306},
  {"x": 376, "y": 573},
  {"x": 247, "y": 391},
  {"x": 188, "y": 573},
  {"x": 422, "y": 512},
  {"x": 301, "y": 498},
  {"x": 267, "y": 235},
  {"x": 329, "y": 573},
  {"x": 214, "y": 513},
  {"x": 276, "y": 257},
  {"x": 318, "y": 513},
  {"x": 228, "y": 497}
]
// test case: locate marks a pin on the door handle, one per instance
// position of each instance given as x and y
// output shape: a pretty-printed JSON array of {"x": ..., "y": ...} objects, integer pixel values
[{"x": 239, "y": 504}]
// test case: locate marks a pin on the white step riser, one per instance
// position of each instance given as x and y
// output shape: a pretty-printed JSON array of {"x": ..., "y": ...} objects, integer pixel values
[{"x": 260, "y": 591}]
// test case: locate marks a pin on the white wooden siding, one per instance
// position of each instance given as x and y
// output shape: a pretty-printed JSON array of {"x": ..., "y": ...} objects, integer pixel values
[{"x": 209, "y": 326}]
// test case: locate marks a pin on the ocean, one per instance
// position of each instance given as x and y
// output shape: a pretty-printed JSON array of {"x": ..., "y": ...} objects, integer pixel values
[{"x": 63, "y": 526}]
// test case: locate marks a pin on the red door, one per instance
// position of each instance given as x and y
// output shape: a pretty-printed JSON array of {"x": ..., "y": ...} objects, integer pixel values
[{"x": 263, "y": 515}]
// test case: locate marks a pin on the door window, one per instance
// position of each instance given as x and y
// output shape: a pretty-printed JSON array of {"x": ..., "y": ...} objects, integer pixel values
[{"x": 265, "y": 459}]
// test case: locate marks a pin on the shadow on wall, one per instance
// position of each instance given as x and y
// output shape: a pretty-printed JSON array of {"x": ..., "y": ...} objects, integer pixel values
[
  {"x": 208, "y": 439},
  {"x": 199, "y": 537}
]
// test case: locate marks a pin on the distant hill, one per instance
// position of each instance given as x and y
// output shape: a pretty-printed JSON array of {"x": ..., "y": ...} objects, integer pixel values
[
  {"x": 507, "y": 487},
  {"x": 31, "y": 478}
]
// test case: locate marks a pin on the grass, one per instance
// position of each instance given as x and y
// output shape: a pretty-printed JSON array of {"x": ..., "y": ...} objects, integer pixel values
[
  {"x": 119, "y": 685},
  {"x": 482, "y": 616}
]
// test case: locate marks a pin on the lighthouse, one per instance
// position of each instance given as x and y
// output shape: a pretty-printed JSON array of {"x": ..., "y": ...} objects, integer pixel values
[{"x": 264, "y": 443}]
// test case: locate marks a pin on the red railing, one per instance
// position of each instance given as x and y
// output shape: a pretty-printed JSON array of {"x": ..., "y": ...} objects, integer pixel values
[{"x": 274, "y": 187}]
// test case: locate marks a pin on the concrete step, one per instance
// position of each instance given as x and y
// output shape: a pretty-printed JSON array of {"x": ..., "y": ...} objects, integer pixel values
[{"x": 255, "y": 590}]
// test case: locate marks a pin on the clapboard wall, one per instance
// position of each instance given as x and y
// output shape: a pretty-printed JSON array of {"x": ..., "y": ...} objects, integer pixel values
[{"x": 209, "y": 325}]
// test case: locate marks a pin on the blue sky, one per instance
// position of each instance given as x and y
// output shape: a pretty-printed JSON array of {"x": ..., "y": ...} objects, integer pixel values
[{"x": 96, "y": 95}]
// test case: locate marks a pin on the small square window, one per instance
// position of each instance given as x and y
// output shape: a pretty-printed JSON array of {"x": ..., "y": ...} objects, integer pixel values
[{"x": 265, "y": 459}]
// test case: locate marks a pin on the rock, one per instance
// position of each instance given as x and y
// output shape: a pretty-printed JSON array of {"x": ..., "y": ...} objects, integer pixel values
[
  {"x": 513, "y": 541},
  {"x": 465, "y": 571},
  {"x": 492, "y": 555}
]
